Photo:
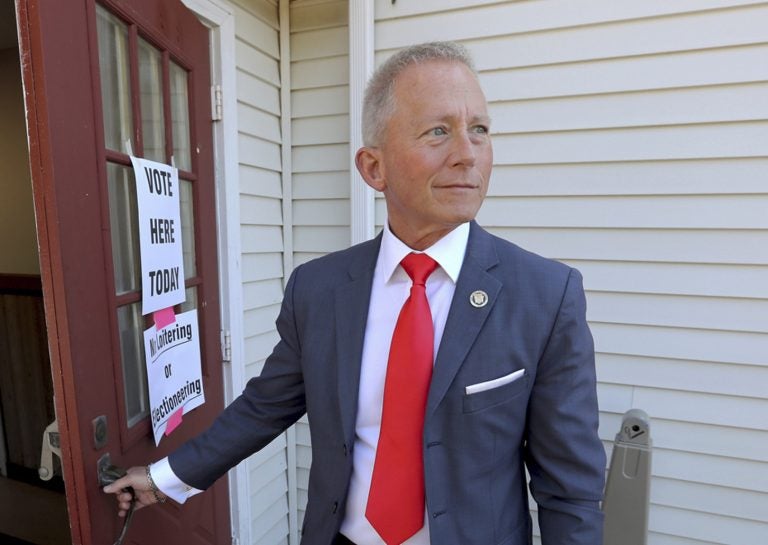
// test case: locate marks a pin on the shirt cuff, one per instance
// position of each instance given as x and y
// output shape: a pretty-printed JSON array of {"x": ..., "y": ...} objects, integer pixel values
[{"x": 169, "y": 484}]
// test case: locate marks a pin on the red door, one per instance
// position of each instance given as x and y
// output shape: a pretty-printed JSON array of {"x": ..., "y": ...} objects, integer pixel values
[{"x": 103, "y": 80}]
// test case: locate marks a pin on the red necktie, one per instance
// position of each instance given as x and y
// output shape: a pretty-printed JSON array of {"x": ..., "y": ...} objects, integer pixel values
[{"x": 396, "y": 499}]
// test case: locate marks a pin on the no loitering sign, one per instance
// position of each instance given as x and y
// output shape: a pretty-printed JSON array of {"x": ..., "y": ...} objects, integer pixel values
[{"x": 173, "y": 372}]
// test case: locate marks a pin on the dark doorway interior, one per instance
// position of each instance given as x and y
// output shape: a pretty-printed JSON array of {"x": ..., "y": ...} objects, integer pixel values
[{"x": 33, "y": 511}]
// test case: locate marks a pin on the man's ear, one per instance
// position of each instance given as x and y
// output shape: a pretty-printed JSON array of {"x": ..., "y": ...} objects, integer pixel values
[{"x": 368, "y": 162}]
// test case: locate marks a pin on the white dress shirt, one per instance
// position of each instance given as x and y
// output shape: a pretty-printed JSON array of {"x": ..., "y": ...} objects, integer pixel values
[
  {"x": 391, "y": 287},
  {"x": 169, "y": 484}
]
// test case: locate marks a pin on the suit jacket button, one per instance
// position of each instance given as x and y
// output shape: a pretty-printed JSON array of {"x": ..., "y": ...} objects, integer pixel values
[{"x": 335, "y": 507}]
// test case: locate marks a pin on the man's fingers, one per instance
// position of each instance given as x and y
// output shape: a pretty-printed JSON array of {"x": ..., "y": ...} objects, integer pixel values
[
  {"x": 140, "y": 495},
  {"x": 117, "y": 486},
  {"x": 124, "y": 498},
  {"x": 135, "y": 478}
]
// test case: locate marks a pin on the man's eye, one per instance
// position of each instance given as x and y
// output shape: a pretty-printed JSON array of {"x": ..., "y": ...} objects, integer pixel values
[
  {"x": 480, "y": 129},
  {"x": 438, "y": 131}
]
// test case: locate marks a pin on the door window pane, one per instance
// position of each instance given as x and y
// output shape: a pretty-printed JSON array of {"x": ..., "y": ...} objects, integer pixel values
[
  {"x": 191, "y": 301},
  {"x": 187, "y": 228},
  {"x": 115, "y": 80},
  {"x": 124, "y": 227},
  {"x": 151, "y": 93},
  {"x": 180, "y": 116},
  {"x": 131, "y": 328}
]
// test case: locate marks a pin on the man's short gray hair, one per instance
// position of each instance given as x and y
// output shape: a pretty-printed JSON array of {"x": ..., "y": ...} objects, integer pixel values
[{"x": 379, "y": 104}]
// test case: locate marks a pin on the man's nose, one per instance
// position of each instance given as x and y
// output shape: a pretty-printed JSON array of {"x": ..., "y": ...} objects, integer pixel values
[{"x": 464, "y": 152}]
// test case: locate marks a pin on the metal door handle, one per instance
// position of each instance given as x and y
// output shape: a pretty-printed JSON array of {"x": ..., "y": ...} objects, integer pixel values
[{"x": 109, "y": 473}]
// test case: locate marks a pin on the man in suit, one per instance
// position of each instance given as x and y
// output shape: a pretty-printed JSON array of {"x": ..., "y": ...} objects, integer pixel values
[{"x": 440, "y": 456}]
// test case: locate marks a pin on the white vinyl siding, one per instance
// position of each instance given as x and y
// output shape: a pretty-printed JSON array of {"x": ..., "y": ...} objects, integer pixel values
[
  {"x": 320, "y": 127},
  {"x": 259, "y": 147},
  {"x": 320, "y": 153},
  {"x": 630, "y": 142}
]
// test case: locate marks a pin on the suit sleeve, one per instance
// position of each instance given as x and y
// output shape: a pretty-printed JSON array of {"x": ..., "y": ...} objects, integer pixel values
[
  {"x": 564, "y": 455},
  {"x": 269, "y": 404}
]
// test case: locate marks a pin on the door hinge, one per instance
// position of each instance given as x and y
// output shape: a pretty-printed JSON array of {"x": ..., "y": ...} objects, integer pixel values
[
  {"x": 217, "y": 103},
  {"x": 226, "y": 346}
]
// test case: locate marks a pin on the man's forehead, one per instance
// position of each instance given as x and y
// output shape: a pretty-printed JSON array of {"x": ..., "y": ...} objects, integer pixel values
[
  {"x": 436, "y": 97},
  {"x": 418, "y": 72},
  {"x": 428, "y": 78}
]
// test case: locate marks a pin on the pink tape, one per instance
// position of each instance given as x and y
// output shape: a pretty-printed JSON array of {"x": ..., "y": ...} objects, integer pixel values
[
  {"x": 174, "y": 421},
  {"x": 163, "y": 317}
]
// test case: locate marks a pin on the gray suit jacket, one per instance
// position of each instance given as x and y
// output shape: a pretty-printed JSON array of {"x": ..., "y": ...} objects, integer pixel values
[{"x": 476, "y": 447}]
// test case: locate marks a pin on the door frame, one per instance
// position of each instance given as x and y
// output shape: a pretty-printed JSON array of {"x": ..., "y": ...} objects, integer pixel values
[{"x": 219, "y": 17}]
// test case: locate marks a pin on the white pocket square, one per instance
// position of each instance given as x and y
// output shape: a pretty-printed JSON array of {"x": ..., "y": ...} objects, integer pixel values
[{"x": 495, "y": 383}]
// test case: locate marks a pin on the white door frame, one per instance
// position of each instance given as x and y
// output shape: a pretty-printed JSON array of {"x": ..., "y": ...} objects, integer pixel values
[{"x": 220, "y": 18}]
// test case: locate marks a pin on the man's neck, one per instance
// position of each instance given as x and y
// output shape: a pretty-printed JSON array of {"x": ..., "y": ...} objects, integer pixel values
[{"x": 420, "y": 241}]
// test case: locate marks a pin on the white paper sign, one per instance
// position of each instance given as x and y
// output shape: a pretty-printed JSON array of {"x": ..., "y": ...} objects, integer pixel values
[
  {"x": 162, "y": 258},
  {"x": 173, "y": 372}
]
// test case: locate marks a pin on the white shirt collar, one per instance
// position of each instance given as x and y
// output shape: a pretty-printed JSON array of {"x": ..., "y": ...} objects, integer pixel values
[{"x": 448, "y": 252}]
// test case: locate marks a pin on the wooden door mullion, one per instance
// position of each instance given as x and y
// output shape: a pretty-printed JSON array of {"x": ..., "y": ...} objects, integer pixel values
[{"x": 135, "y": 85}]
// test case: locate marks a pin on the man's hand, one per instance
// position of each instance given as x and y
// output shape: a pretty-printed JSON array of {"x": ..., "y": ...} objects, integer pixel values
[{"x": 135, "y": 478}]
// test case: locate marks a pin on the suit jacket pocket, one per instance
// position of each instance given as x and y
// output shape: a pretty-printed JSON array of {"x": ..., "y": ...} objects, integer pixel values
[{"x": 496, "y": 396}]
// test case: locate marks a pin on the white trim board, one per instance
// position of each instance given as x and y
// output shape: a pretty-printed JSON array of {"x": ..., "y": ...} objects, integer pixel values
[
  {"x": 288, "y": 264},
  {"x": 220, "y": 18},
  {"x": 361, "y": 196}
]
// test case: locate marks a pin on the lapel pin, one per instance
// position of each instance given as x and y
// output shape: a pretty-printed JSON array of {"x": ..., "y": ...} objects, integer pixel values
[{"x": 478, "y": 299}]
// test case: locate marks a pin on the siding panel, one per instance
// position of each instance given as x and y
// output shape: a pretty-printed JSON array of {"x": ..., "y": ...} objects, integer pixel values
[
  {"x": 718, "y": 313},
  {"x": 321, "y": 185},
  {"x": 680, "y": 343},
  {"x": 716, "y": 103},
  {"x": 705, "y": 30},
  {"x": 632, "y": 144},
  {"x": 321, "y": 72},
  {"x": 741, "y": 64},
  {"x": 671, "y": 177},
  {"x": 258, "y": 93},
  {"x": 709, "y": 499},
  {"x": 319, "y": 154},
  {"x": 737, "y": 247},
  {"x": 673, "y": 212},
  {"x": 327, "y": 129},
  {"x": 323, "y": 101},
  {"x": 259, "y": 124},
  {"x": 256, "y": 63},
  {"x": 675, "y": 374},
  {"x": 255, "y": 180},
  {"x": 675, "y": 278},
  {"x": 259, "y": 143},
  {"x": 321, "y": 158},
  {"x": 502, "y": 18}
]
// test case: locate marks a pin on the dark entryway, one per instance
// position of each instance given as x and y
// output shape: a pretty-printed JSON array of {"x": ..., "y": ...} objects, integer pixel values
[{"x": 33, "y": 510}]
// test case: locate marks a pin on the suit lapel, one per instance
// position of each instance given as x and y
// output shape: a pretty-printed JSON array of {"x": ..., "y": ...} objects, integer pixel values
[
  {"x": 351, "y": 311},
  {"x": 465, "y": 320}
]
